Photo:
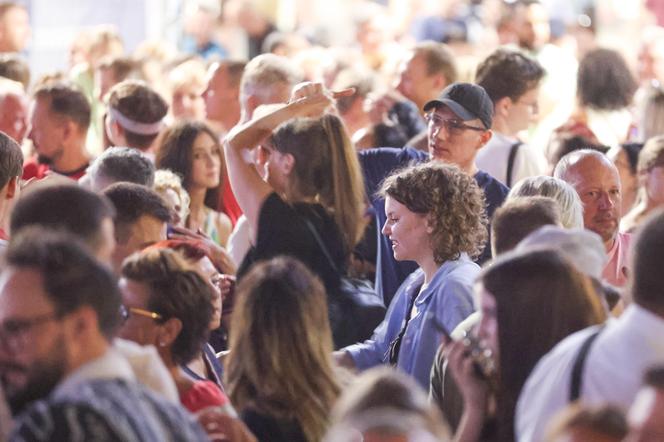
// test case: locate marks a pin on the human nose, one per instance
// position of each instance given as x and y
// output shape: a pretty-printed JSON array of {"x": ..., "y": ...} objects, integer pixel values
[
  {"x": 386, "y": 230},
  {"x": 606, "y": 201}
]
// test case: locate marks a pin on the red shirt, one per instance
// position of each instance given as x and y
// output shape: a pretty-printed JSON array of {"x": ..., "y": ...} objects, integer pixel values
[
  {"x": 33, "y": 169},
  {"x": 202, "y": 395},
  {"x": 227, "y": 202}
]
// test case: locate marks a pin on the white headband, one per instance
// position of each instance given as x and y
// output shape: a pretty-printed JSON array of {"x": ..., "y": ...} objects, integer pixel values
[{"x": 134, "y": 126}]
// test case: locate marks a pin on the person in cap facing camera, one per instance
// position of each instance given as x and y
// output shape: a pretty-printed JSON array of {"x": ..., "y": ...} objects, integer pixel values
[{"x": 459, "y": 125}]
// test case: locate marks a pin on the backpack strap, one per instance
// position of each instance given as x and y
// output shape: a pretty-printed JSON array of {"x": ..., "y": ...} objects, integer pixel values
[
  {"x": 514, "y": 148},
  {"x": 579, "y": 364}
]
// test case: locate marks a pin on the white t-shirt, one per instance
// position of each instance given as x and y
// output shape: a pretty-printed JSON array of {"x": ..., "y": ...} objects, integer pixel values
[
  {"x": 493, "y": 158},
  {"x": 613, "y": 371}
]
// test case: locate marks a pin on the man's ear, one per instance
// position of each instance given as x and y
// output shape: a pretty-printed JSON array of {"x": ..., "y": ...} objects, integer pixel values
[
  {"x": 440, "y": 82},
  {"x": 502, "y": 107},
  {"x": 12, "y": 187},
  {"x": 485, "y": 137}
]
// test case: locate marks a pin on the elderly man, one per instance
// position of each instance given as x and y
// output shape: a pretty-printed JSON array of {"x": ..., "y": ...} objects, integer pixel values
[{"x": 596, "y": 180}]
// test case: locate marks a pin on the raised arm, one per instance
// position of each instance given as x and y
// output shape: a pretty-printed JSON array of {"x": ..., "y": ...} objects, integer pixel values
[{"x": 249, "y": 188}]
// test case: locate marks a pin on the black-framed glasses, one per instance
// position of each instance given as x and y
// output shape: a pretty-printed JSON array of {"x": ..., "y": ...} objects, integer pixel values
[
  {"x": 126, "y": 312},
  {"x": 14, "y": 331},
  {"x": 452, "y": 126}
]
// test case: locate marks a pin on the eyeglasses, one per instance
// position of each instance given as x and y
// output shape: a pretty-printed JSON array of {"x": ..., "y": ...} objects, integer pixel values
[
  {"x": 126, "y": 312},
  {"x": 13, "y": 332},
  {"x": 452, "y": 126}
]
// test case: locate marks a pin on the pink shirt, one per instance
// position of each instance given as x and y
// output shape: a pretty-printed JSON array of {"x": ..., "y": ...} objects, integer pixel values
[{"x": 615, "y": 269}]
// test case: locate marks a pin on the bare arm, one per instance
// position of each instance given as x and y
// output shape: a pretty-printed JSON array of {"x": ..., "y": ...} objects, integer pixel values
[{"x": 249, "y": 189}]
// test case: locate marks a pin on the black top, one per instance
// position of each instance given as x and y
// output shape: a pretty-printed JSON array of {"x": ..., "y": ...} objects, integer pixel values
[
  {"x": 282, "y": 230},
  {"x": 269, "y": 429}
]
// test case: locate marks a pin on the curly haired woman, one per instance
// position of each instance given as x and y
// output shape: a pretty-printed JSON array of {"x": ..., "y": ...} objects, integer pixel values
[{"x": 435, "y": 217}]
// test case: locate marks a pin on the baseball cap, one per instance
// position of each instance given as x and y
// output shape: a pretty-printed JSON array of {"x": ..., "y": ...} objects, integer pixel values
[
  {"x": 468, "y": 101},
  {"x": 581, "y": 247}
]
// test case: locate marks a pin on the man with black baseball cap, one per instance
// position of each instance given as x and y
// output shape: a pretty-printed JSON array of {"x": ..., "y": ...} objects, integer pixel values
[{"x": 459, "y": 125}]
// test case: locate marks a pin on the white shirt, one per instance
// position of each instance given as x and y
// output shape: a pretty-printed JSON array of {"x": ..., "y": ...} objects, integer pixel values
[
  {"x": 493, "y": 158},
  {"x": 613, "y": 372}
]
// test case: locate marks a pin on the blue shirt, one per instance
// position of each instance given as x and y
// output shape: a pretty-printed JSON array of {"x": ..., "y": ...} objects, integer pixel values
[
  {"x": 379, "y": 163},
  {"x": 447, "y": 300}
]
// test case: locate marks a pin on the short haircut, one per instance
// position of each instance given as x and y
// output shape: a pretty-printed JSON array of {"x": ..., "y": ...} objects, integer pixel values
[
  {"x": 438, "y": 59},
  {"x": 139, "y": 102},
  {"x": 604, "y": 80},
  {"x": 567, "y": 162},
  {"x": 363, "y": 80},
  {"x": 72, "y": 277},
  {"x": 508, "y": 73},
  {"x": 519, "y": 217},
  {"x": 63, "y": 207},
  {"x": 647, "y": 282},
  {"x": 176, "y": 291},
  {"x": 133, "y": 201},
  {"x": 569, "y": 202},
  {"x": 66, "y": 101},
  {"x": 122, "y": 67},
  {"x": 15, "y": 68},
  {"x": 606, "y": 420},
  {"x": 263, "y": 72},
  {"x": 123, "y": 164},
  {"x": 652, "y": 154},
  {"x": 234, "y": 69},
  {"x": 11, "y": 159}
]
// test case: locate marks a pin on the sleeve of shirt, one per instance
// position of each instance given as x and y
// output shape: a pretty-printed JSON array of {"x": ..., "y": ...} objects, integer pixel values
[
  {"x": 374, "y": 351},
  {"x": 457, "y": 302}
]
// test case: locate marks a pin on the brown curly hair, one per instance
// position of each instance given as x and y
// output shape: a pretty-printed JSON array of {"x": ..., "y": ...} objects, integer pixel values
[{"x": 452, "y": 201}]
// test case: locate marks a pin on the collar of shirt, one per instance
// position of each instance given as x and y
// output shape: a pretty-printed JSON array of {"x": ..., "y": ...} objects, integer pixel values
[{"x": 111, "y": 365}]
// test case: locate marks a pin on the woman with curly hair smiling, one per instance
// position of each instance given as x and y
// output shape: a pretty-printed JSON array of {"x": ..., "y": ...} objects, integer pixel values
[{"x": 435, "y": 217}]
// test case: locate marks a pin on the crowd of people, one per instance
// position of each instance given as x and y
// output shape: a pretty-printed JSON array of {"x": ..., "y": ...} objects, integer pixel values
[{"x": 420, "y": 237}]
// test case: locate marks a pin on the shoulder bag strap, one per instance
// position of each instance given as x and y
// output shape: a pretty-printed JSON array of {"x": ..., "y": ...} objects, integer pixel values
[
  {"x": 579, "y": 364},
  {"x": 514, "y": 148},
  {"x": 321, "y": 244}
]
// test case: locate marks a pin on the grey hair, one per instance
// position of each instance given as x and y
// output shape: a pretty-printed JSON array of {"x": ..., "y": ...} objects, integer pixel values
[{"x": 571, "y": 208}]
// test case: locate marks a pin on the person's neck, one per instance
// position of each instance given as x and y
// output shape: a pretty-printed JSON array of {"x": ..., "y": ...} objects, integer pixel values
[
  {"x": 429, "y": 267},
  {"x": 91, "y": 350},
  {"x": 500, "y": 125},
  {"x": 471, "y": 169},
  {"x": 197, "y": 198},
  {"x": 608, "y": 245},
  {"x": 73, "y": 158}
]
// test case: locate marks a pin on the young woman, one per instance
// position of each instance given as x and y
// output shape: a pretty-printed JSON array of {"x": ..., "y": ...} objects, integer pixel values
[
  {"x": 169, "y": 305},
  {"x": 190, "y": 149},
  {"x": 312, "y": 186},
  {"x": 435, "y": 217},
  {"x": 279, "y": 372},
  {"x": 650, "y": 176},
  {"x": 529, "y": 302}
]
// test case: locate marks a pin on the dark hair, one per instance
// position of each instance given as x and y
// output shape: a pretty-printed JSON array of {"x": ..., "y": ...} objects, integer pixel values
[
  {"x": 632, "y": 151},
  {"x": 139, "y": 102},
  {"x": 507, "y": 73},
  {"x": 123, "y": 164},
  {"x": 133, "y": 201},
  {"x": 438, "y": 59},
  {"x": 607, "y": 420},
  {"x": 176, "y": 291},
  {"x": 66, "y": 101},
  {"x": 72, "y": 278},
  {"x": 538, "y": 290},
  {"x": 519, "y": 217},
  {"x": 647, "y": 282},
  {"x": 11, "y": 159},
  {"x": 64, "y": 207},
  {"x": 176, "y": 154},
  {"x": 604, "y": 81},
  {"x": 15, "y": 68},
  {"x": 654, "y": 377},
  {"x": 452, "y": 201}
]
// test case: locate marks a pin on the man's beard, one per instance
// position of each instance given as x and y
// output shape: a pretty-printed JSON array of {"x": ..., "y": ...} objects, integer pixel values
[
  {"x": 42, "y": 377},
  {"x": 42, "y": 159}
]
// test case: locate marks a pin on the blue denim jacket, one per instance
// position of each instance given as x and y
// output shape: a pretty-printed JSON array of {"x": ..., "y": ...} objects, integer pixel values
[{"x": 448, "y": 299}]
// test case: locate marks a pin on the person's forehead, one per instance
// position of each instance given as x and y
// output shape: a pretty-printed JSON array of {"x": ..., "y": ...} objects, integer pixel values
[
  {"x": 134, "y": 293},
  {"x": 595, "y": 171},
  {"x": 22, "y": 293}
]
